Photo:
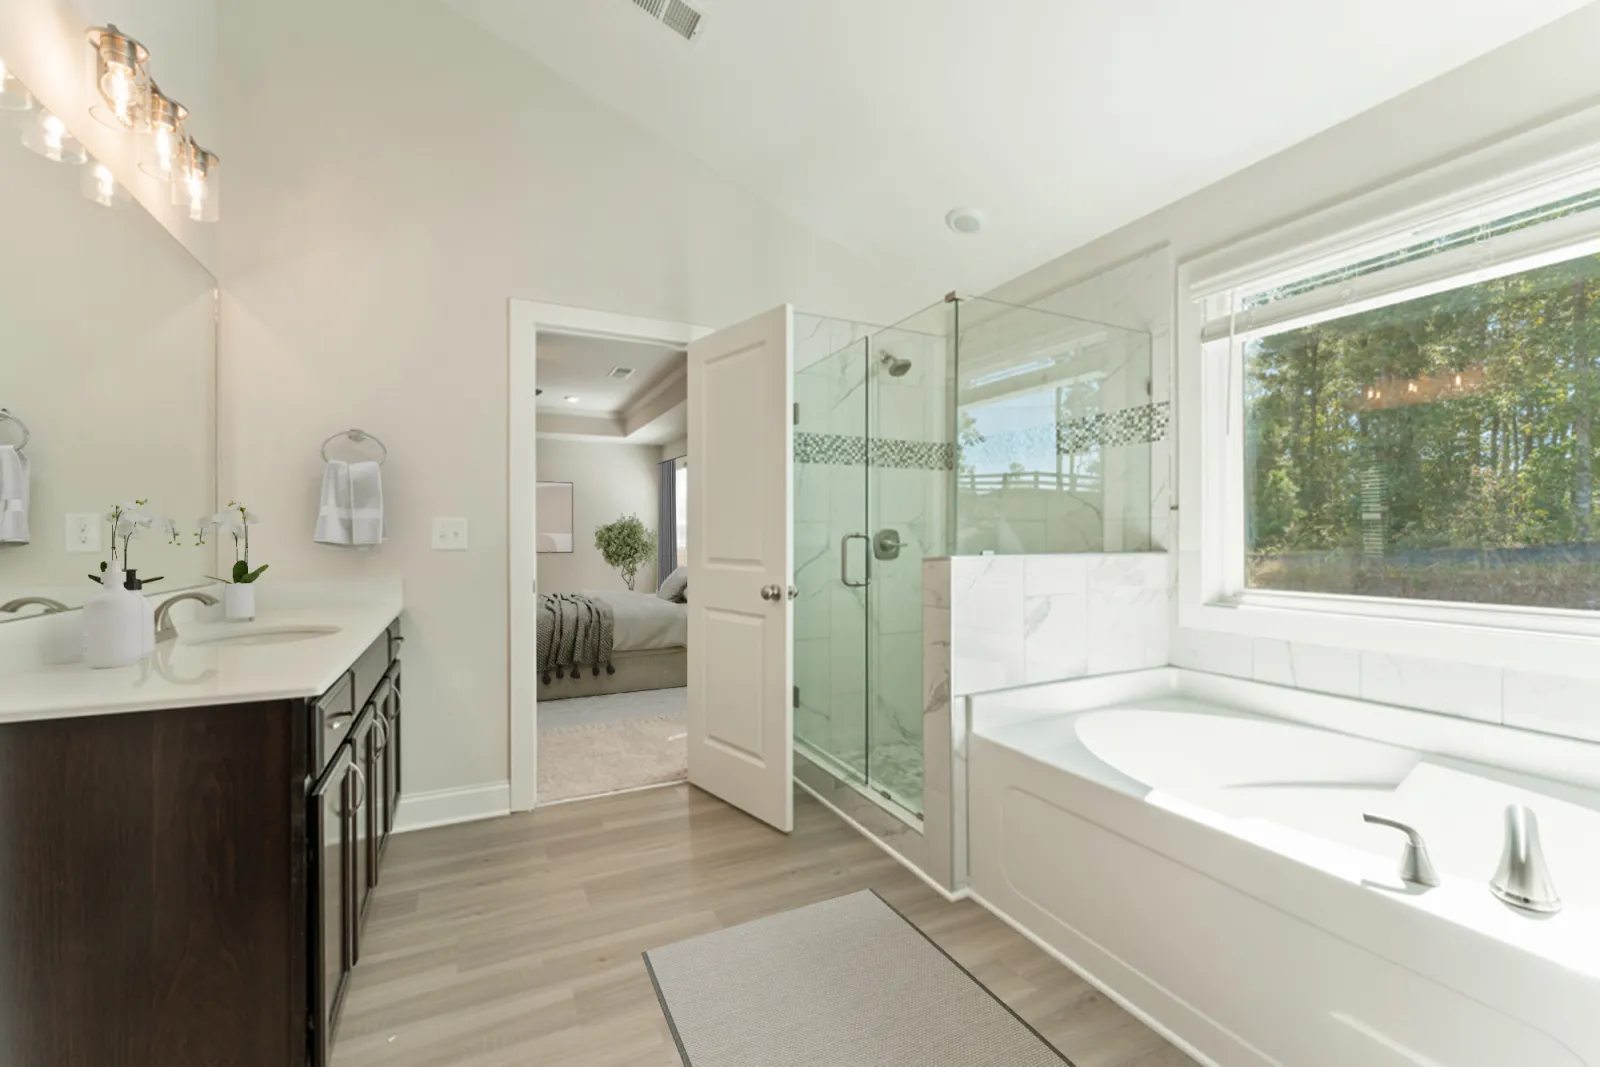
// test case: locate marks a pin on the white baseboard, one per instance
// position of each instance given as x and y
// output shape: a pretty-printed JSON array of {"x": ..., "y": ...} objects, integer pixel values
[
  {"x": 870, "y": 836},
  {"x": 1112, "y": 994},
  {"x": 442, "y": 807}
]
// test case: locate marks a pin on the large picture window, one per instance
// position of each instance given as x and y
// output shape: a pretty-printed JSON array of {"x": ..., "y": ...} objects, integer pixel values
[{"x": 1439, "y": 448}]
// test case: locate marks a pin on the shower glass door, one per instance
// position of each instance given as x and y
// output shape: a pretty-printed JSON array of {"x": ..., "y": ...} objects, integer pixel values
[{"x": 831, "y": 555}]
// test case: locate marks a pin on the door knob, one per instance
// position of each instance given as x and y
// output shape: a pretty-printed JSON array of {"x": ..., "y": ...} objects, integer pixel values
[
  {"x": 772, "y": 592},
  {"x": 793, "y": 592}
]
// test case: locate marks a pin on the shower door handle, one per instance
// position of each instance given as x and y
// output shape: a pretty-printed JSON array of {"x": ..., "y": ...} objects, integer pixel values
[{"x": 844, "y": 560}]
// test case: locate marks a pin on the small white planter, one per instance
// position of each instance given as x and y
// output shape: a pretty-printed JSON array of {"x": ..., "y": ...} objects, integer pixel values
[{"x": 239, "y": 602}]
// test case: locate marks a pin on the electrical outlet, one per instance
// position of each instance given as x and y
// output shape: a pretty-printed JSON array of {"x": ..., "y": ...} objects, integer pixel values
[
  {"x": 83, "y": 533},
  {"x": 449, "y": 535}
]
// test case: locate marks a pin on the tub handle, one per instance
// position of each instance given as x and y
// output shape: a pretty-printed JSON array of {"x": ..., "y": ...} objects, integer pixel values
[{"x": 1415, "y": 866}]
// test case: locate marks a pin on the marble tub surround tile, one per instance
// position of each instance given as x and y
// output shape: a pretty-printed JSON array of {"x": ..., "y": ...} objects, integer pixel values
[
  {"x": 1566, "y": 707},
  {"x": 986, "y": 605},
  {"x": 1213, "y": 652},
  {"x": 1468, "y": 690},
  {"x": 1053, "y": 575},
  {"x": 1056, "y": 637},
  {"x": 1127, "y": 629}
]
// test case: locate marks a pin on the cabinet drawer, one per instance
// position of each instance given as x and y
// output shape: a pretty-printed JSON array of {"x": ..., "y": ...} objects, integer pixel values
[{"x": 331, "y": 719}]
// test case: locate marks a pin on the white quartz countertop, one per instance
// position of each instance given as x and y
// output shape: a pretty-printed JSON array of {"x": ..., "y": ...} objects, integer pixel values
[{"x": 182, "y": 673}]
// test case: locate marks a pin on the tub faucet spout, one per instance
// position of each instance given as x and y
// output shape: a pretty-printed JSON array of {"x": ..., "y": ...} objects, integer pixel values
[
  {"x": 1415, "y": 866},
  {"x": 1523, "y": 880}
]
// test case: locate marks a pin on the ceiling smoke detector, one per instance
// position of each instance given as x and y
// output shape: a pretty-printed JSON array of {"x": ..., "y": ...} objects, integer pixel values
[
  {"x": 621, "y": 374},
  {"x": 965, "y": 220},
  {"x": 675, "y": 15}
]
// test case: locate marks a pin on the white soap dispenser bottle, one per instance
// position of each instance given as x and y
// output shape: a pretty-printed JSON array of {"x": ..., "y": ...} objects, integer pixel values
[{"x": 113, "y": 623}]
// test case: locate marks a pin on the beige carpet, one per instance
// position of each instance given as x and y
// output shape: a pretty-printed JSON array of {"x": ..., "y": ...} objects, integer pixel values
[{"x": 593, "y": 758}]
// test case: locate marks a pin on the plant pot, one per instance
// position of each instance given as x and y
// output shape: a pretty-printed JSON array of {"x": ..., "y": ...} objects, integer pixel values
[{"x": 239, "y": 602}]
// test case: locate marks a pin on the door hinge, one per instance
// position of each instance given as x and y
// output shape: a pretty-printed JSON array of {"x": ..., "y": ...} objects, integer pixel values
[
  {"x": 797, "y": 413},
  {"x": 797, "y": 696}
]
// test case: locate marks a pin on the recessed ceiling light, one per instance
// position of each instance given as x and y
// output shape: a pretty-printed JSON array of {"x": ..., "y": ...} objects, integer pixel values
[
  {"x": 572, "y": 400},
  {"x": 965, "y": 220}
]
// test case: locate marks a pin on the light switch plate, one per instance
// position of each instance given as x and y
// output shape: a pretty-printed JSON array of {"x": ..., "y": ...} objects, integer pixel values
[
  {"x": 83, "y": 534},
  {"x": 449, "y": 535}
]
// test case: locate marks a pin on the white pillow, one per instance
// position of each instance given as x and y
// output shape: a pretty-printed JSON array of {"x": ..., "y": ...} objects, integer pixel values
[{"x": 676, "y": 587}]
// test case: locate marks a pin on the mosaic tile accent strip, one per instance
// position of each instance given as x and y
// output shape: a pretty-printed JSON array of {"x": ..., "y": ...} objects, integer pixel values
[
  {"x": 845, "y": 450},
  {"x": 1145, "y": 424}
]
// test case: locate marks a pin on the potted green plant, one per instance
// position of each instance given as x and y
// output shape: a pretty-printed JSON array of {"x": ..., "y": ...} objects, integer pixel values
[
  {"x": 126, "y": 521},
  {"x": 239, "y": 594},
  {"x": 625, "y": 544}
]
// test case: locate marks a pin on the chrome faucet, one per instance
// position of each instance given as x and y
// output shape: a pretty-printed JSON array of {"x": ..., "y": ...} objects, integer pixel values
[
  {"x": 1523, "y": 880},
  {"x": 164, "y": 627},
  {"x": 50, "y": 607},
  {"x": 1415, "y": 866}
]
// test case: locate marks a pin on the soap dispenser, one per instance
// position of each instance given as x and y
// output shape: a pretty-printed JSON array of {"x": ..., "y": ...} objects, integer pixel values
[{"x": 113, "y": 623}]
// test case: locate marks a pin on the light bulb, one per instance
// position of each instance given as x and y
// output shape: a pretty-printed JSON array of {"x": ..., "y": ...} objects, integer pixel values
[
  {"x": 54, "y": 133},
  {"x": 105, "y": 185},
  {"x": 196, "y": 186},
  {"x": 166, "y": 151},
  {"x": 118, "y": 86}
]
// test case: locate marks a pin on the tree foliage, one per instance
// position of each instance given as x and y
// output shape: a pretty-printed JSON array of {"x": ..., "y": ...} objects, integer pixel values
[{"x": 1429, "y": 443}]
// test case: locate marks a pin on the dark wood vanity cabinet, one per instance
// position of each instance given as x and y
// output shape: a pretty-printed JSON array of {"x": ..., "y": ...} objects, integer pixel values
[{"x": 185, "y": 887}]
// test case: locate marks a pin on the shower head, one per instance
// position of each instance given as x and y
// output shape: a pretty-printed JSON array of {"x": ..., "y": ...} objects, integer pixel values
[{"x": 894, "y": 365}]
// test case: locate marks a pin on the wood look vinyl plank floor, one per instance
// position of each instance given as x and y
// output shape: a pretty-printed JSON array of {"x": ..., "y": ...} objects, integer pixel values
[{"x": 516, "y": 942}]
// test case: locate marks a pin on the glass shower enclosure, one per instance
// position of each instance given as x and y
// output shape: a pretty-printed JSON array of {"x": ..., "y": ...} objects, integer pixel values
[{"x": 973, "y": 427}]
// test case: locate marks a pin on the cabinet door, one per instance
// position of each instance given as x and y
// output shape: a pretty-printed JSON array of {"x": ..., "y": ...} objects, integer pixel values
[
  {"x": 361, "y": 737},
  {"x": 379, "y": 816},
  {"x": 391, "y": 711},
  {"x": 332, "y": 880}
]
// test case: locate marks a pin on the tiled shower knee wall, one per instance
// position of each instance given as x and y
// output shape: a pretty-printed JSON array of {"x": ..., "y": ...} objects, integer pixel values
[{"x": 998, "y": 622}]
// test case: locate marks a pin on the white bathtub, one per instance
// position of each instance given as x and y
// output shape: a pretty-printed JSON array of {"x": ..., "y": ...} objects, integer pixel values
[{"x": 1211, "y": 870}]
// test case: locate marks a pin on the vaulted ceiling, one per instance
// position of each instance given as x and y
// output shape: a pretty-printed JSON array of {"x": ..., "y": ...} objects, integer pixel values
[{"x": 1061, "y": 120}]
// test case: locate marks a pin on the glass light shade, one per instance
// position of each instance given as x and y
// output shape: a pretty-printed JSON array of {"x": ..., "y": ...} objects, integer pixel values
[
  {"x": 163, "y": 146},
  {"x": 197, "y": 186},
  {"x": 119, "y": 71},
  {"x": 101, "y": 186},
  {"x": 14, "y": 96},
  {"x": 47, "y": 135}
]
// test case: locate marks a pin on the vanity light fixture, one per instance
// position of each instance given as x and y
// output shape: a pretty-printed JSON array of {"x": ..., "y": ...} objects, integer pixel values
[
  {"x": 47, "y": 135},
  {"x": 165, "y": 119},
  {"x": 14, "y": 96},
  {"x": 120, "y": 69},
  {"x": 196, "y": 183}
]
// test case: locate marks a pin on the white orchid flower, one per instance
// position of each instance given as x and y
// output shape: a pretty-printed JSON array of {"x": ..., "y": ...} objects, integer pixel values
[{"x": 226, "y": 521}]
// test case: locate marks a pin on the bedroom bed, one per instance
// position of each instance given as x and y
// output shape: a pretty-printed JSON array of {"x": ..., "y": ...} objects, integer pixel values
[{"x": 649, "y": 650}]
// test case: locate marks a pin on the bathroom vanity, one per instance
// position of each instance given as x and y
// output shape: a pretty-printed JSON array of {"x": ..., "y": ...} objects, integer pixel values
[{"x": 191, "y": 844}]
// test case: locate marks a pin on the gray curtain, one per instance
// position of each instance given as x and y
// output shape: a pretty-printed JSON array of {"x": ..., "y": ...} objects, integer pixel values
[{"x": 667, "y": 522}]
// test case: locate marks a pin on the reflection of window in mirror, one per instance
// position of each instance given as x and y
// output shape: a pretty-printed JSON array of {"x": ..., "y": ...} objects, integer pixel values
[
  {"x": 682, "y": 495},
  {"x": 554, "y": 532}
]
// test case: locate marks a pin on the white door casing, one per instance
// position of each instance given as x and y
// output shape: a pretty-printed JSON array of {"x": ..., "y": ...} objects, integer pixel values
[{"x": 741, "y": 557}]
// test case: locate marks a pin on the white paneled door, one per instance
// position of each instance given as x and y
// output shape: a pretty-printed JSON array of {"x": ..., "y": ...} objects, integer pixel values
[{"x": 741, "y": 553}]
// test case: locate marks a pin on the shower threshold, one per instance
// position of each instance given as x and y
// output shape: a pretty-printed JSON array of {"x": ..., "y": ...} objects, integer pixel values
[{"x": 846, "y": 775}]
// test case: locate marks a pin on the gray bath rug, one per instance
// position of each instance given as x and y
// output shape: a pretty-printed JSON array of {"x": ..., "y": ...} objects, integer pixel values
[{"x": 845, "y": 983}]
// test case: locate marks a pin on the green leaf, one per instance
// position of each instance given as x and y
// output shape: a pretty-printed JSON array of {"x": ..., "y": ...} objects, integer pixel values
[
  {"x": 214, "y": 578},
  {"x": 240, "y": 569},
  {"x": 96, "y": 579},
  {"x": 253, "y": 575}
]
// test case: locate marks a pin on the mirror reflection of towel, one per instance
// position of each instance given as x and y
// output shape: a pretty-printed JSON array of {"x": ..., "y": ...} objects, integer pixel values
[{"x": 13, "y": 496}]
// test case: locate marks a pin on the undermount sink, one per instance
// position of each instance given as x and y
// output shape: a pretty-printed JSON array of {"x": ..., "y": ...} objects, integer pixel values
[{"x": 277, "y": 635}]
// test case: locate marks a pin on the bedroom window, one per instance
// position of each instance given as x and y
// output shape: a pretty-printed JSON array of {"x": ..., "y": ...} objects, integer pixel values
[
  {"x": 681, "y": 492},
  {"x": 1401, "y": 420}
]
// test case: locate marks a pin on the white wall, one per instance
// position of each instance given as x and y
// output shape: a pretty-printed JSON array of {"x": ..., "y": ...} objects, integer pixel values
[
  {"x": 377, "y": 219},
  {"x": 674, "y": 449},
  {"x": 1538, "y": 78},
  {"x": 608, "y": 482},
  {"x": 42, "y": 41}
]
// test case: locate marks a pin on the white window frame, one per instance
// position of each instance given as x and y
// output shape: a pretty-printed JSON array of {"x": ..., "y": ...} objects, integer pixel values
[{"x": 1538, "y": 167}]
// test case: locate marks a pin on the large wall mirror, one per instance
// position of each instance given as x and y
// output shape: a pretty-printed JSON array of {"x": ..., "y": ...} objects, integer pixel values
[{"x": 108, "y": 342}]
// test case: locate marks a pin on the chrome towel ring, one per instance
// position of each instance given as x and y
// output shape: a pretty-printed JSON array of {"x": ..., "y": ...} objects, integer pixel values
[
  {"x": 357, "y": 436},
  {"x": 6, "y": 416}
]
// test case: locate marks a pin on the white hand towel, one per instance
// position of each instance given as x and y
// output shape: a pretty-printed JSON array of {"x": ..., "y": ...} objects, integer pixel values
[
  {"x": 333, "y": 513},
  {"x": 367, "y": 525},
  {"x": 13, "y": 496}
]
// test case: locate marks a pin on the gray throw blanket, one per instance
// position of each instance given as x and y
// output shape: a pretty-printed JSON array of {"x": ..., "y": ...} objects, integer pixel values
[{"x": 574, "y": 632}]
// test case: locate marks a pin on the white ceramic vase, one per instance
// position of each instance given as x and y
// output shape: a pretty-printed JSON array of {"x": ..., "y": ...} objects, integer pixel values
[{"x": 239, "y": 601}]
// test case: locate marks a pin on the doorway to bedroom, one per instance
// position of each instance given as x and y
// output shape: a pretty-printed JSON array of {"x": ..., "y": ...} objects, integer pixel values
[{"x": 610, "y": 478}]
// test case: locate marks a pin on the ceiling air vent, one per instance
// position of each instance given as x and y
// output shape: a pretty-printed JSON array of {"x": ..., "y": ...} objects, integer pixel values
[
  {"x": 675, "y": 15},
  {"x": 621, "y": 374}
]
